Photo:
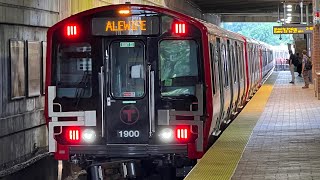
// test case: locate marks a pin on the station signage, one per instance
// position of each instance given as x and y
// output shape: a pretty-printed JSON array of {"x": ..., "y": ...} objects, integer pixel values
[
  {"x": 292, "y": 29},
  {"x": 134, "y": 25}
]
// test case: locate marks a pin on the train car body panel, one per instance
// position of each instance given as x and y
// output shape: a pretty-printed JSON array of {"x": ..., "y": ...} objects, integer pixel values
[
  {"x": 242, "y": 78},
  {"x": 230, "y": 69},
  {"x": 217, "y": 99}
]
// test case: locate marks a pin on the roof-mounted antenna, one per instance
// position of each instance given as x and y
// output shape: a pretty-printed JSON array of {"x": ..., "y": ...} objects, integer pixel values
[{"x": 127, "y": 2}]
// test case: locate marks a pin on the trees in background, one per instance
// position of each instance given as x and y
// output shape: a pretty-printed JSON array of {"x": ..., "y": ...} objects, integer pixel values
[{"x": 259, "y": 31}]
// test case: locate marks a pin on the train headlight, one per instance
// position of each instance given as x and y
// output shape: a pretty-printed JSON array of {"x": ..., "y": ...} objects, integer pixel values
[
  {"x": 166, "y": 135},
  {"x": 89, "y": 135}
]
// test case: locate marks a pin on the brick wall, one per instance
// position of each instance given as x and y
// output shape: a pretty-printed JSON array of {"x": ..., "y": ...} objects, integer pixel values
[
  {"x": 300, "y": 43},
  {"x": 316, "y": 57}
]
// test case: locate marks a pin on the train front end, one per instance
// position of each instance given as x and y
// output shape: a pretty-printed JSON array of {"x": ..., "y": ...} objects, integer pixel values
[{"x": 126, "y": 81}]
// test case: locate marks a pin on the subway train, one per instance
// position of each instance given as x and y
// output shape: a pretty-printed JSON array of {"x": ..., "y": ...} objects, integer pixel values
[{"x": 140, "y": 84}]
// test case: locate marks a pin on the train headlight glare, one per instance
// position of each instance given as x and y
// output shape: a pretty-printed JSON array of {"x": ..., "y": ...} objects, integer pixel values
[
  {"x": 166, "y": 135},
  {"x": 89, "y": 135}
]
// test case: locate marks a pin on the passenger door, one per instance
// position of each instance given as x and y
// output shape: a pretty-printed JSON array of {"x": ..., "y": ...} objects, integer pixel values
[
  {"x": 216, "y": 76},
  {"x": 226, "y": 78},
  {"x": 126, "y": 100}
]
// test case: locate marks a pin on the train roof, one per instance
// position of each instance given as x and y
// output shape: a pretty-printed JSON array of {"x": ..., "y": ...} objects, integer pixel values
[
  {"x": 166, "y": 11},
  {"x": 201, "y": 24},
  {"x": 216, "y": 30}
]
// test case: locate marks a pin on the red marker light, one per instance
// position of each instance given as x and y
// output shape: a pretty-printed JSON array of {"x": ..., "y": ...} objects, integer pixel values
[
  {"x": 72, "y": 30},
  {"x": 179, "y": 28},
  {"x": 73, "y": 135},
  {"x": 182, "y": 133}
]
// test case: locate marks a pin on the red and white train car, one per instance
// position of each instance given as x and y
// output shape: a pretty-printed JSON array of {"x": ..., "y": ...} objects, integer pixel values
[{"x": 145, "y": 83}]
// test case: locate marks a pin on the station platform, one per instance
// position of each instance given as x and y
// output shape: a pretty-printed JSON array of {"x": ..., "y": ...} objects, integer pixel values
[{"x": 276, "y": 136}]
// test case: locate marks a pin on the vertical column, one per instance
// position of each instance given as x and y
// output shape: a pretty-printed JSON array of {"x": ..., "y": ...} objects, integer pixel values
[
  {"x": 65, "y": 9},
  {"x": 309, "y": 48},
  {"x": 316, "y": 47},
  {"x": 81, "y": 5},
  {"x": 316, "y": 57},
  {"x": 301, "y": 12},
  {"x": 284, "y": 14}
]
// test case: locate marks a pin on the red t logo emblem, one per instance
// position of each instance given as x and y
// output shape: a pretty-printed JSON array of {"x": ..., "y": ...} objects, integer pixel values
[{"x": 129, "y": 112}]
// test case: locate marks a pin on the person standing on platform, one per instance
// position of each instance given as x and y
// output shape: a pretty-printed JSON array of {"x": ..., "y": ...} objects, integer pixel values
[
  {"x": 306, "y": 68},
  {"x": 299, "y": 65},
  {"x": 291, "y": 66}
]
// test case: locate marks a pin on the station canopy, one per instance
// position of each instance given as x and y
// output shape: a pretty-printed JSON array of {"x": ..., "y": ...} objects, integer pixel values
[{"x": 270, "y": 9}]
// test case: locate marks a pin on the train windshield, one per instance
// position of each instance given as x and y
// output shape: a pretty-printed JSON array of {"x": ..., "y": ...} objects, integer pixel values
[
  {"x": 178, "y": 67},
  {"x": 127, "y": 66},
  {"x": 74, "y": 71}
]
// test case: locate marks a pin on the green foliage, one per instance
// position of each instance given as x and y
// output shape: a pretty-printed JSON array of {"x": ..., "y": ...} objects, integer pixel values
[{"x": 259, "y": 31}]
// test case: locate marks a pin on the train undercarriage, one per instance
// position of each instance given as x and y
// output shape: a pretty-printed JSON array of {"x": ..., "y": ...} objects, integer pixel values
[{"x": 167, "y": 167}]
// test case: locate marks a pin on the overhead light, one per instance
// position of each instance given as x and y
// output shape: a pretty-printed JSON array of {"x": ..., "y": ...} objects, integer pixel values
[
  {"x": 288, "y": 21},
  {"x": 289, "y": 18},
  {"x": 282, "y": 19},
  {"x": 289, "y": 10},
  {"x": 289, "y": 14},
  {"x": 289, "y": 6}
]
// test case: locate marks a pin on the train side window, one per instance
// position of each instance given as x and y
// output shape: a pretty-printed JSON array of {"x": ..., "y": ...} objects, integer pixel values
[
  {"x": 225, "y": 66},
  {"x": 234, "y": 64},
  {"x": 229, "y": 61},
  {"x": 213, "y": 70},
  {"x": 252, "y": 60},
  {"x": 241, "y": 62},
  {"x": 267, "y": 56},
  {"x": 237, "y": 59},
  {"x": 218, "y": 57},
  {"x": 178, "y": 67},
  {"x": 74, "y": 71}
]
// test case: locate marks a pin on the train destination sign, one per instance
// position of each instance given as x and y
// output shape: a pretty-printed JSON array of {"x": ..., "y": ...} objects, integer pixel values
[
  {"x": 134, "y": 25},
  {"x": 292, "y": 29}
]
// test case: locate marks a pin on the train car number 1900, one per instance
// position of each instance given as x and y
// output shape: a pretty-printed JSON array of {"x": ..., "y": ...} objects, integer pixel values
[{"x": 128, "y": 133}]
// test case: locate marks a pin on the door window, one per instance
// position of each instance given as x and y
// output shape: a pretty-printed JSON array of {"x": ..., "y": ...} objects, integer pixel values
[{"x": 127, "y": 69}]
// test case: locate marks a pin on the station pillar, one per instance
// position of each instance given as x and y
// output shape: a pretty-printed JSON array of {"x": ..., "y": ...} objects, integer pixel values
[
  {"x": 316, "y": 47},
  {"x": 316, "y": 58}
]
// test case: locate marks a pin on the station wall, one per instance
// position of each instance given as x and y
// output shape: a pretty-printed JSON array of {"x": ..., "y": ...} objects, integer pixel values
[{"x": 22, "y": 129}]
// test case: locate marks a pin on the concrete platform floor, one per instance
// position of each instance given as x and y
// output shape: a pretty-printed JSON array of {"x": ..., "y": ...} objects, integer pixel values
[{"x": 285, "y": 143}]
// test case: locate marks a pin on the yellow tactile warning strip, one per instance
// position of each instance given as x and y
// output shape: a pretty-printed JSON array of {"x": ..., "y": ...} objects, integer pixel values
[{"x": 222, "y": 158}]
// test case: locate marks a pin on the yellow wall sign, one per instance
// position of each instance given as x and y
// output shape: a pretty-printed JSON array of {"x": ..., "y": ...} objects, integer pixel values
[
  {"x": 292, "y": 29},
  {"x": 134, "y": 25}
]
